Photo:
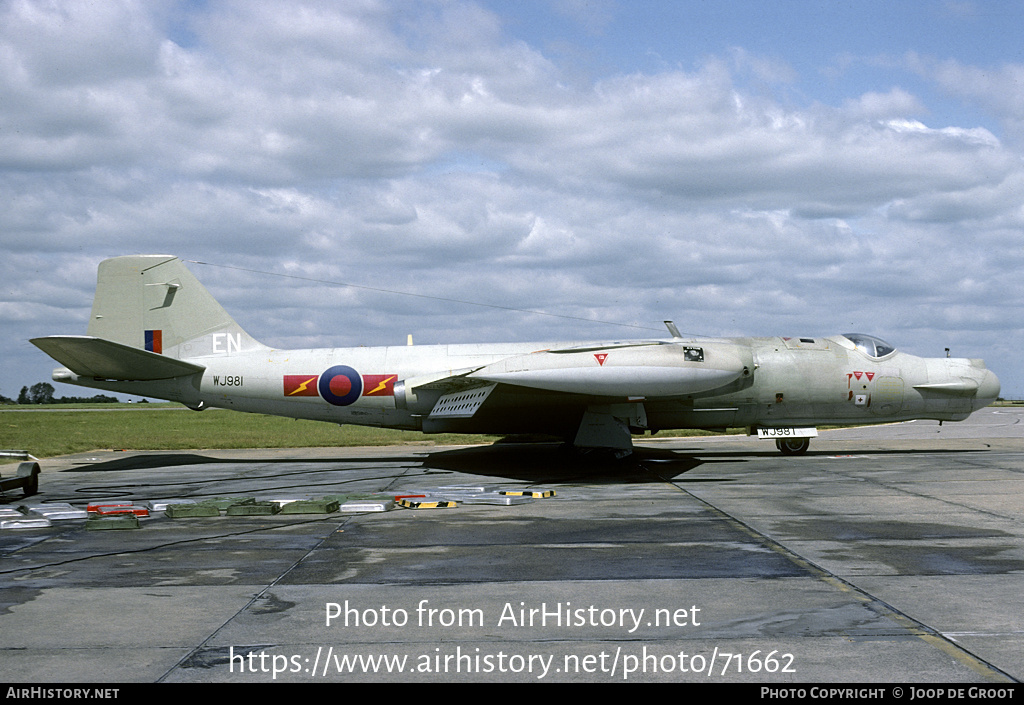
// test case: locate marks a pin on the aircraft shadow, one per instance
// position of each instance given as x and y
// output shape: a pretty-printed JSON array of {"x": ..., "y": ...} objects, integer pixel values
[
  {"x": 554, "y": 462},
  {"x": 153, "y": 461},
  {"x": 523, "y": 462}
]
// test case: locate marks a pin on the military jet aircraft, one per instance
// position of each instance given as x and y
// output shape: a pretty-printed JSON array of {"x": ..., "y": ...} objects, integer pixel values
[{"x": 155, "y": 331}]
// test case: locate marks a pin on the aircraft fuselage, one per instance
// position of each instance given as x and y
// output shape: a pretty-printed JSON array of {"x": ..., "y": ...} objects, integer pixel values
[
  {"x": 789, "y": 384},
  {"x": 155, "y": 331}
]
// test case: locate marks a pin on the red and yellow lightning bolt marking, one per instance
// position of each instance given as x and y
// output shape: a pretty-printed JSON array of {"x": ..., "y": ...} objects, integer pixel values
[
  {"x": 379, "y": 385},
  {"x": 300, "y": 385}
]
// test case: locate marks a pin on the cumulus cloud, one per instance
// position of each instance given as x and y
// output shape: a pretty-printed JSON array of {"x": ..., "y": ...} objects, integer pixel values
[
  {"x": 423, "y": 148},
  {"x": 997, "y": 89}
]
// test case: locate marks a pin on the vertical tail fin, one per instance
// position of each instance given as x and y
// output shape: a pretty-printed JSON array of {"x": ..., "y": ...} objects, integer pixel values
[{"x": 154, "y": 303}]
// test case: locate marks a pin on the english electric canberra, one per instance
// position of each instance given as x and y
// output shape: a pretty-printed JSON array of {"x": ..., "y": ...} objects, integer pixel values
[{"x": 155, "y": 331}]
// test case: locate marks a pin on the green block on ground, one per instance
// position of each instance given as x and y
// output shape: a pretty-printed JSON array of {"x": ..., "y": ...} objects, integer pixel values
[
  {"x": 181, "y": 511},
  {"x": 254, "y": 509},
  {"x": 311, "y": 506},
  {"x": 225, "y": 502},
  {"x": 122, "y": 521}
]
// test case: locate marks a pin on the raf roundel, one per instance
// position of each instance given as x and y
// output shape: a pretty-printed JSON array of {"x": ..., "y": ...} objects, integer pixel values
[{"x": 340, "y": 385}]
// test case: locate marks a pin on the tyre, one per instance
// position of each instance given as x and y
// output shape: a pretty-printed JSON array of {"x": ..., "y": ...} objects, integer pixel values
[{"x": 793, "y": 446}]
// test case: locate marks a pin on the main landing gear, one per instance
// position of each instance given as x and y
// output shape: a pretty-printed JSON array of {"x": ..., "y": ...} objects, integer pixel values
[{"x": 793, "y": 446}]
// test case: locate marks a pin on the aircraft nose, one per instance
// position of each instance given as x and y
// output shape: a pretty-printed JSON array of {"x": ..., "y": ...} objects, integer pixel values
[{"x": 988, "y": 390}]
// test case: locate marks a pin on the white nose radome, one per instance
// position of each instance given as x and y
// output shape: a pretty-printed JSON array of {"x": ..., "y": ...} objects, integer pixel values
[{"x": 988, "y": 390}]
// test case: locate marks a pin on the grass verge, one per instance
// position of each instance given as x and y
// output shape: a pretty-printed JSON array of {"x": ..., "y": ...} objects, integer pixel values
[{"x": 50, "y": 431}]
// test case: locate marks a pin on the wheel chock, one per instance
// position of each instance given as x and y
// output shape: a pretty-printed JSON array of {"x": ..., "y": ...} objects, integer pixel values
[
  {"x": 184, "y": 511},
  {"x": 252, "y": 510},
  {"x": 102, "y": 523},
  {"x": 423, "y": 504},
  {"x": 538, "y": 494},
  {"x": 310, "y": 506}
]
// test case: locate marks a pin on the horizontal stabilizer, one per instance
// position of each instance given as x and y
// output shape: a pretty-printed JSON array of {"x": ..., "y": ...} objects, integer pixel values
[{"x": 87, "y": 356}]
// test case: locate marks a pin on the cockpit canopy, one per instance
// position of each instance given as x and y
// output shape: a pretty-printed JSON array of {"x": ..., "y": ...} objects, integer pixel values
[{"x": 869, "y": 344}]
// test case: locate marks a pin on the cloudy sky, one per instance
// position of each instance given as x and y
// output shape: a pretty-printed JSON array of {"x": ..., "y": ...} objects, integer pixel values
[{"x": 744, "y": 168}]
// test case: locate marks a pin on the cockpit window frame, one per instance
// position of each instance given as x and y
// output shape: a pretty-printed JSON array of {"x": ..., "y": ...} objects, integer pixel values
[{"x": 871, "y": 345}]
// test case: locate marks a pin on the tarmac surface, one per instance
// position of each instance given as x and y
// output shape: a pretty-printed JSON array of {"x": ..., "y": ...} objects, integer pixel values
[{"x": 885, "y": 554}]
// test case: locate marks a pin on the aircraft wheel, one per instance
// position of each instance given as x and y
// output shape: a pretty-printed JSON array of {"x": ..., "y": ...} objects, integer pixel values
[
  {"x": 793, "y": 446},
  {"x": 30, "y": 471}
]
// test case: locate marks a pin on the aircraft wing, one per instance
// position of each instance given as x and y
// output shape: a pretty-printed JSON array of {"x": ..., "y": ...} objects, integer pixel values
[
  {"x": 88, "y": 356},
  {"x": 463, "y": 391},
  {"x": 605, "y": 347},
  {"x": 650, "y": 369}
]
